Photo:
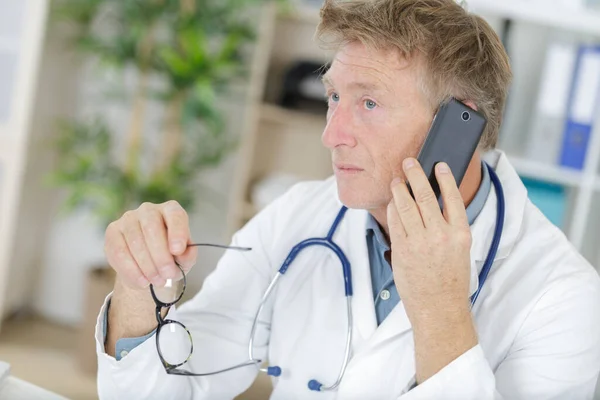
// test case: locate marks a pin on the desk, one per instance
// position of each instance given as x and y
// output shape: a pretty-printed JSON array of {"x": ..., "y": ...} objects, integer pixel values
[
  {"x": 13, "y": 388},
  {"x": 16, "y": 389}
]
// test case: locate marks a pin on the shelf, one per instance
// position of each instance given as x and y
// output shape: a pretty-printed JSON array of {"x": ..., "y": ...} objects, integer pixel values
[
  {"x": 302, "y": 14},
  {"x": 536, "y": 11},
  {"x": 539, "y": 11},
  {"x": 548, "y": 173},
  {"x": 279, "y": 115},
  {"x": 7, "y": 149},
  {"x": 247, "y": 210}
]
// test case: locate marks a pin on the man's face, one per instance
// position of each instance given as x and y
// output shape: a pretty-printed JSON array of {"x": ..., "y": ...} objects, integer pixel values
[{"x": 377, "y": 117}]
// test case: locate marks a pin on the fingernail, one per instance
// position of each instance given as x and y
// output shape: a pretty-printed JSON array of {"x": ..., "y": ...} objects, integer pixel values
[
  {"x": 396, "y": 181},
  {"x": 177, "y": 246},
  {"x": 142, "y": 281},
  {"x": 409, "y": 163},
  {"x": 442, "y": 168}
]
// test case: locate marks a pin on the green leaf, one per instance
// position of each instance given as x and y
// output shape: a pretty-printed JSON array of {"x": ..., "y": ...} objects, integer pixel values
[
  {"x": 195, "y": 56},
  {"x": 175, "y": 63},
  {"x": 205, "y": 92}
]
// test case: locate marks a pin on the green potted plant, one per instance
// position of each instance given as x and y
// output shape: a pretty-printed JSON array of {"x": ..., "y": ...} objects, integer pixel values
[
  {"x": 195, "y": 50},
  {"x": 185, "y": 55}
]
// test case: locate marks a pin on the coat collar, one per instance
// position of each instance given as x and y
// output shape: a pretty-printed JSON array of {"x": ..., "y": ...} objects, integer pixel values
[{"x": 482, "y": 230}]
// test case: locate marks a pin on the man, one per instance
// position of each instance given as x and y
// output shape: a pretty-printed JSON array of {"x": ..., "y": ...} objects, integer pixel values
[{"x": 534, "y": 330}]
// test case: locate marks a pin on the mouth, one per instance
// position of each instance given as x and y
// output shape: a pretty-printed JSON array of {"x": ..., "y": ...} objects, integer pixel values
[{"x": 346, "y": 168}]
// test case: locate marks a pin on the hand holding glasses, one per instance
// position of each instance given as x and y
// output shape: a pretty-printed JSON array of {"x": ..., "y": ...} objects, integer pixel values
[{"x": 173, "y": 340}]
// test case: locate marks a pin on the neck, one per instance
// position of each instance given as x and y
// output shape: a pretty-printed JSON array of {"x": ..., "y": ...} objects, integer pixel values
[{"x": 468, "y": 189}]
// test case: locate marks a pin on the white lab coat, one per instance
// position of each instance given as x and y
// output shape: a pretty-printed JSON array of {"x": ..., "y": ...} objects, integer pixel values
[{"x": 537, "y": 318}]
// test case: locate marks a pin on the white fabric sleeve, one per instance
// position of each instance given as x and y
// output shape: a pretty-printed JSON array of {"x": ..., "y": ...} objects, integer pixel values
[
  {"x": 467, "y": 377},
  {"x": 556, "y": 354},
  {"x": 219, "y": 318}
]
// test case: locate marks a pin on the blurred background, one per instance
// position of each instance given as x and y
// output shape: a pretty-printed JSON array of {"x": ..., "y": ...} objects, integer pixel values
[{"x": 105, "y": 104}]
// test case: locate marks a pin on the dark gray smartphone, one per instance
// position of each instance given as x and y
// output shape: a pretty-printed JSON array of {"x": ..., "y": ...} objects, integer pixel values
[{"x": 453, "y": 138}]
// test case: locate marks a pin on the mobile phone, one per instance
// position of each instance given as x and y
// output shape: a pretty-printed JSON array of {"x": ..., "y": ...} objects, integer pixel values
[{"x": 452, "y": 138}]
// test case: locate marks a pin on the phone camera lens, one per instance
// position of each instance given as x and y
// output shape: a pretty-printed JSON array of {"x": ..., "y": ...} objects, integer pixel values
[{"x": 466, "y": 116}]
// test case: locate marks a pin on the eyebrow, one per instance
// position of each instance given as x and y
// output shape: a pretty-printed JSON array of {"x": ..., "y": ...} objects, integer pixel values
[{"x": 327, "y": 81}]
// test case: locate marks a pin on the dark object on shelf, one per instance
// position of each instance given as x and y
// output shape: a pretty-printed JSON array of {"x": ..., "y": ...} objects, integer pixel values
[{"x": 303, "y": 89}]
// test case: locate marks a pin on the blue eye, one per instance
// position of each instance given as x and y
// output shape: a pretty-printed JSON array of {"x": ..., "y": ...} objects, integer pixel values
[
  {"x": 370, "y": 104},
  {"x": 335, "y": 97}
]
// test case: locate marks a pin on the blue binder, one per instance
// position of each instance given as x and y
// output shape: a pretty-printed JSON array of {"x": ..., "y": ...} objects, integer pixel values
[
  {"x": 550, "y": 198},
  {"x": 584, "y": 103}
]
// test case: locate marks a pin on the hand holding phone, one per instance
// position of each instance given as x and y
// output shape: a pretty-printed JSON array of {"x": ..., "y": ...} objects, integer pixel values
[{"x": 453, "y": 138}]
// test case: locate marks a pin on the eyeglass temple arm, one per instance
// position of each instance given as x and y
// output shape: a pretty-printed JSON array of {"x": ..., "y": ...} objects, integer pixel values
[{"x": 221, "y": 246}]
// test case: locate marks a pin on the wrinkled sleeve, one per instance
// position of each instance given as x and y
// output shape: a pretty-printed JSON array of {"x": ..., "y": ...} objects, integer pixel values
[
  {"x": 219, "y": 319},
  {"x": 556, "y": 354}
]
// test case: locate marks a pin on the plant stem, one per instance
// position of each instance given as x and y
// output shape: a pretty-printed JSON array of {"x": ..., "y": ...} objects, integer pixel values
[
  {"x": 139, "y": 104},
  {"x": 173, "y": 133},
  {"x": 187, "y": 6}
]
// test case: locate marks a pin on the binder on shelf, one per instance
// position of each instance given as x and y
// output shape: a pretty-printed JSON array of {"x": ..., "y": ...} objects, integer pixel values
[
  {"x": 583, "y": 105},
  {"x": 550, "y": 198},
  {"x": 549, "y": 117}
]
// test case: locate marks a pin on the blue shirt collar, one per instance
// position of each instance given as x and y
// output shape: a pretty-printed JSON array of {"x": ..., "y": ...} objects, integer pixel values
[{"x": 473, "y": 209}]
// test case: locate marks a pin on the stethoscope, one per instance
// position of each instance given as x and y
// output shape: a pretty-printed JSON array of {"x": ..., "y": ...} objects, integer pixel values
[{"x": 327, "y": 242}]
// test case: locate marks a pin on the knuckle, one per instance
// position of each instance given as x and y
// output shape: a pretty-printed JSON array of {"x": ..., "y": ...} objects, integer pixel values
[
  {"x": 172, "y": 205},
  {"x": 146, "y": 206},
  {"x": 425, "y": 196},
  {"x": 150, "y": 223},
  {"x": 110, "y": 229},
  {"x": 463, "y": 237},
  {"x": 404, "y": 207},
  {"x": 454, "y": 197},
  {"x": 128, "y": 215},
  {"x": 442, "y": 237},
  {"x": 183, "y": 213},
  {"x": 175, "y": 210}
]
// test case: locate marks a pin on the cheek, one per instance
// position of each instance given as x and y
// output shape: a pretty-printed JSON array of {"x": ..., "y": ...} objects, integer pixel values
[{"x": 394, "y": 145}]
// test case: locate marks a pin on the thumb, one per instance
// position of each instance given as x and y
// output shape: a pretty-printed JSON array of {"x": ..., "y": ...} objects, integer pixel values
[{"x": 188, "y": 258}]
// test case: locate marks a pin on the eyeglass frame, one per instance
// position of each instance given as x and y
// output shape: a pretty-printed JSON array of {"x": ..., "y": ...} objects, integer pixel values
[{"x": 173, "y": 369}]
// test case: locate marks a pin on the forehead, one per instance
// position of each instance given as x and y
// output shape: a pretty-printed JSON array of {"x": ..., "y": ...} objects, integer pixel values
[{"x": 384, "y": 67}]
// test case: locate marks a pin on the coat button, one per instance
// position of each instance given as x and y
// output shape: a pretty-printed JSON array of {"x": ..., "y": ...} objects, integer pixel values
[
  {"x": 124, "y": 353},
  {"x": 385, "y": 294}
]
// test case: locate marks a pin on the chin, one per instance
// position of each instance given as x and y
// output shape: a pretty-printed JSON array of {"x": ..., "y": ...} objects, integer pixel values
[{"x": 363, "y": 197}]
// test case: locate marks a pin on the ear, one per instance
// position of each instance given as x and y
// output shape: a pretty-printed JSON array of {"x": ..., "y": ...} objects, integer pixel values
[{"x": 470, "y": 104}]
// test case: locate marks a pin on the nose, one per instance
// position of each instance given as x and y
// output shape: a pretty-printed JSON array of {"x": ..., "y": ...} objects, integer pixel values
[{"x": 338, "y": 131}]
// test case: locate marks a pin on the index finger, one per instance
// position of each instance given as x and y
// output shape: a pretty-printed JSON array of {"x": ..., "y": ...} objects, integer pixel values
[{"x": 454, "y": 206}]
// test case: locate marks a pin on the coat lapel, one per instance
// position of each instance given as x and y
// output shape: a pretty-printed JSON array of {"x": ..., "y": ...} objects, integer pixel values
[
  {"x": 482, "y": 230},
  {"x": 352, "y": 240},
  {"x": 368, "y": 338}
]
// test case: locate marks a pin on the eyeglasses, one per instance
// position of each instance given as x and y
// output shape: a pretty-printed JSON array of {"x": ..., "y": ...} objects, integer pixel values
[{"x": 174, "y": 342}]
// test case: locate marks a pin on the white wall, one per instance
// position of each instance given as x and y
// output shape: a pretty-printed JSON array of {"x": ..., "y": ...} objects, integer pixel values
[
  {"x": 63, "y": 248},
  {"x": 54, "y": 95}
]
